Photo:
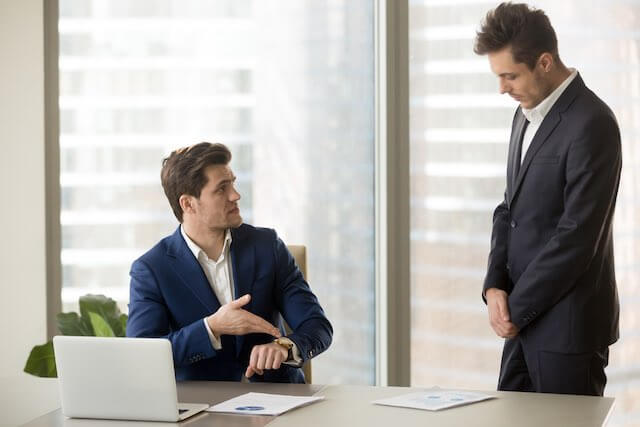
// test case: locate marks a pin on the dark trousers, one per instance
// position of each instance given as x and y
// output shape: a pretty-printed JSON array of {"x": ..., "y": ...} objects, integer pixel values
[{"x": 551, "y": 372}]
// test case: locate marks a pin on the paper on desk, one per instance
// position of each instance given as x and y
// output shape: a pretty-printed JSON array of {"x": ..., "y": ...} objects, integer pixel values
[
  {"x": 263, "y": 404},
  {"x": 434, "y": 400}
]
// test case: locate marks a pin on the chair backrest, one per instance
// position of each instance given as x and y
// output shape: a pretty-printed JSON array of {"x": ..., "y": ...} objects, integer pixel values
[{"x": 299, "y": 252}]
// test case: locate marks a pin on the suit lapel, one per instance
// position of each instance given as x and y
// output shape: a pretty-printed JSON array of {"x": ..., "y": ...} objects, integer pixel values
[
  {"x": 190, "y": 272},
  {"x": 547, "y": 126},
  {"x": 545, "y": 131},
  {"x": 243, "y": 262}
]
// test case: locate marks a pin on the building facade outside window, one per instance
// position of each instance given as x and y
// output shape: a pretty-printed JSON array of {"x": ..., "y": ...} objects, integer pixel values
[{"x": 287, "y": 85}]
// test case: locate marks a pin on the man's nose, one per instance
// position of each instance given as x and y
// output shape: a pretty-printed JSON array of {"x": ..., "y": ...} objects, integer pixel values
[
  {"x": 235, "y": 196},
  {"x": 504, "y": 87}
]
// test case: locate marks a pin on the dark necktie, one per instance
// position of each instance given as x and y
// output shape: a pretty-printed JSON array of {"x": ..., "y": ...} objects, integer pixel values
[{"x": 517, "y": 161}]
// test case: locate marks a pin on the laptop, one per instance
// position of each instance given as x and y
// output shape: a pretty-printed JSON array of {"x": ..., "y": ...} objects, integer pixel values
[{"x": 119, "y": 379}]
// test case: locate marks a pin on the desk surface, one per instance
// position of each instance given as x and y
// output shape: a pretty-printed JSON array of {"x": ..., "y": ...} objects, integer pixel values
[{"x": 350, "y": 406}]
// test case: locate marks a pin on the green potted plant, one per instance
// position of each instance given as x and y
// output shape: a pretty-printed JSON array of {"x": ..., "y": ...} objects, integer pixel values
[{"x": 99, "y": 316}]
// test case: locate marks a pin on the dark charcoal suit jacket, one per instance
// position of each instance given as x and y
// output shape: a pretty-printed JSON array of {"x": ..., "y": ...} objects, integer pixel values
[{"x": 551, "y": 244}]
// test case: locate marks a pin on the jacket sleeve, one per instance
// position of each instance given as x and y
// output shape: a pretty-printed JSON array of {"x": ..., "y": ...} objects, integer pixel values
[
  {"x": 497, "y": 274},
  {"x": 593, "y": 167},
  {"x": 149, "y": 317},
  {"x": 312, "y": 332}
]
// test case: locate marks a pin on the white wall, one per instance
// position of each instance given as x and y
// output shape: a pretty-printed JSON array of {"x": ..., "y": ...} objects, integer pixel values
[{"x": 22, "y": 183}]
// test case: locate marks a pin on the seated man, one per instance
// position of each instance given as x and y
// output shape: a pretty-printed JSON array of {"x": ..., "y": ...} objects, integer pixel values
[{"x": 216, "y": 287}]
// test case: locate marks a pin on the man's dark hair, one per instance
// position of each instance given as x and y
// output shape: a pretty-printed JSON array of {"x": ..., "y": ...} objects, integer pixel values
[
  {"x": 526, "y": 30},
  {"x": 183, "y": 171}
]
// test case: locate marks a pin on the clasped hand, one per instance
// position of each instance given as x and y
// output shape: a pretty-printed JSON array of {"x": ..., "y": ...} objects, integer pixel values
[
  {"x": 499, "y": 316},
  {"x": 232, "y": 319}
]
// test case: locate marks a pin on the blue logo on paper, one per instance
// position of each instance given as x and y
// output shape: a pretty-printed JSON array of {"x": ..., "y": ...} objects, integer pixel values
[{"x": 249, "y": 408}]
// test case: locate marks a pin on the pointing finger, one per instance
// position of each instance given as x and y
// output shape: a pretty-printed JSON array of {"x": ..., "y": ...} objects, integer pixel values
[{"x": 258, "y": 325}]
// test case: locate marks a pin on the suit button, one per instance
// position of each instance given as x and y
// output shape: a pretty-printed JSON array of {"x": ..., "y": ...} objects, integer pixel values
[{"x": 513, "y": 223}]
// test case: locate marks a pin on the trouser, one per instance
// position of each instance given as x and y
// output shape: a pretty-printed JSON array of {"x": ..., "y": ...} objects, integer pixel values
[{"x": 552, "y": 372}]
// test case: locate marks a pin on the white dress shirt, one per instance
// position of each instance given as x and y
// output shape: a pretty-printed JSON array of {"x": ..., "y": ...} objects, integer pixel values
[
  {"x": 220, "y": 276},
  {"x": 537, "y": 114}
]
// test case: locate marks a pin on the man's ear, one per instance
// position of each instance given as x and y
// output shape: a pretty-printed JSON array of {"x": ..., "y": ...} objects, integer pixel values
[
  {"x": 545, "y": 62},
  {"x": 187, "y": 203}
]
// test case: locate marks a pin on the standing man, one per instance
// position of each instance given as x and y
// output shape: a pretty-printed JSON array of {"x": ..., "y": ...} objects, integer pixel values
[
  {"x": 216, "y": 287},
  {"x": 550, "y": 287}
]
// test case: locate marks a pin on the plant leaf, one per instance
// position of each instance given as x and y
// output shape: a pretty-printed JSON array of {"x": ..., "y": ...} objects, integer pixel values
[
  {"x": 100, "y": 304},
  {"x": 72, "y": 324},
  {"x": 123, "y": 324},
  {"x": 105, "y": 307},
  {"x": 119, "y": 328},
  {"x": 41, "y": 361},
  {"x": 100, "y": 326},
  {"x": 100, "y": 316}
]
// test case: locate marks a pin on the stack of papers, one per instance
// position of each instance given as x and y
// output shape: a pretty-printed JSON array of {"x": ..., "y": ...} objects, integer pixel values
[
  {"x": 263, "y": 404},
  {"x": 434, "y": 400}
]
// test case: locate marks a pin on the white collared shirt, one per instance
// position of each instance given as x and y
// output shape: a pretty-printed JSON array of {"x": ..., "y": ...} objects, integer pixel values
[
  {"x": 537, "y": 114},
  {"x": 219, "y": 274}
]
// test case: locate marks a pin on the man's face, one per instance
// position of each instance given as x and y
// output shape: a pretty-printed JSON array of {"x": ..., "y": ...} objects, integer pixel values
[
  {"x": 528, "y": 87},
  {"x": 217, "y": 206}
]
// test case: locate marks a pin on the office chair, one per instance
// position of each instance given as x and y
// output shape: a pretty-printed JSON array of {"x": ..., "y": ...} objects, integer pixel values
[{"x": 299, "y": 253}]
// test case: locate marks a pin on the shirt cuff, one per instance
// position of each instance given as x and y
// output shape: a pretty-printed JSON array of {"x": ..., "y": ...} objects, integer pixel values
[
  {"x": 215, "y": 342},
  {"x": 295, "y": 352}
]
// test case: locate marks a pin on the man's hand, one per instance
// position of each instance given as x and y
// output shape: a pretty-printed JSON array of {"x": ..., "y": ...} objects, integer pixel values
[
  {"x": 499, "y": 313},
  {"x": 232, "y": 319},
  {"x": 265, "y": 356}
]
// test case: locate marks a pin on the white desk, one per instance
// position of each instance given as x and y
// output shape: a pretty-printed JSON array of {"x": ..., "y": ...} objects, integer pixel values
[{"x": 350, "y": 406}]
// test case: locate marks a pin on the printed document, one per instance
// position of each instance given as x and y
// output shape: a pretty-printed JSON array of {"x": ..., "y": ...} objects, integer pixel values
[
  {"x": 434, "y": 400},
  {"x": 263, "y": 404}
]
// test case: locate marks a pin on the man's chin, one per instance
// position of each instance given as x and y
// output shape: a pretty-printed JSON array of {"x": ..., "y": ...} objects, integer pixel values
[
  {"x": 236, "y": 222},
  {"x": 528, "y": 104}
]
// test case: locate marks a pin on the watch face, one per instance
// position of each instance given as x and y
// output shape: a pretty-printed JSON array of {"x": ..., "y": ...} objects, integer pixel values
[{"x": 285, "y": 343}]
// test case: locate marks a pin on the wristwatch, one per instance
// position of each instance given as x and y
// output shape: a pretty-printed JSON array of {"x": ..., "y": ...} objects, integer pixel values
[{"x": 287, "y": 344}]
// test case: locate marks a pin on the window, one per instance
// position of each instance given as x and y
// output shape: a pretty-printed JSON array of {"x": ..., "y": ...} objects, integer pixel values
[
  {"x": 459, "y": 135},
  {"x": 287, "y": 85}
]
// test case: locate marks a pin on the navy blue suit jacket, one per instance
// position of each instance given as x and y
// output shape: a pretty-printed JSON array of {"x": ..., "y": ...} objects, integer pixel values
[
  {"x": 552, "y": 239},
  {"x": 170, "y": 296}
]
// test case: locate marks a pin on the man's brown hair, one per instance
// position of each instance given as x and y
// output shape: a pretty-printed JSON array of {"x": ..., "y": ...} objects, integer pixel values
[
  {"x": 526, "y": 30},
  {"x": 183, "y": 171}
]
